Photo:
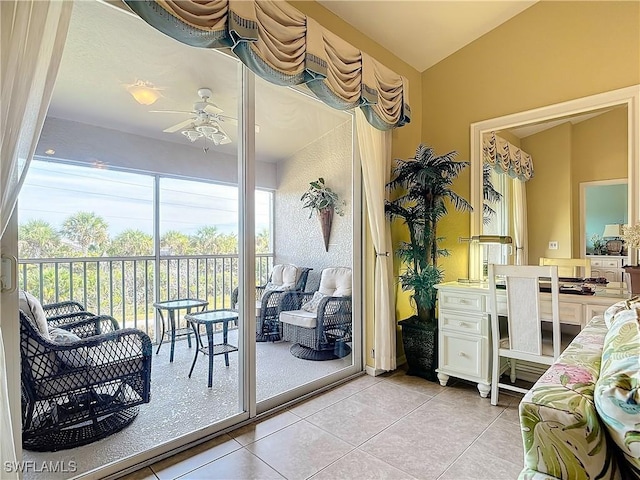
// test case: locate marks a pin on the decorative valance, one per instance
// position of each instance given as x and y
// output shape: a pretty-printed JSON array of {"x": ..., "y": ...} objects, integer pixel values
[
  {"x": 506, "y": 157},
  {"x": 282, "y": 45}
]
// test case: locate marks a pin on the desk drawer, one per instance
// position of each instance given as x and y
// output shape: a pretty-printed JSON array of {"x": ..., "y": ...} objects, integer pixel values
[
  {"x": 461, "y": 322},
  {"x": 461, "y": 354},
  {"x": 570, "y": 313},
  {"x": 470, "y": 302}
]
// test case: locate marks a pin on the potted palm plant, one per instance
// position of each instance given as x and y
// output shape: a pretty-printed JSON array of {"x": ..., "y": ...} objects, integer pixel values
[
  {"x": 423, "y": 184},
  {"x": 319, "y": 198}
]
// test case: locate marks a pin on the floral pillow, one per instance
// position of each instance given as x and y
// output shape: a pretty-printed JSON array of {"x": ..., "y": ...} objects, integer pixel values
[{"x": 312, "y": 305}]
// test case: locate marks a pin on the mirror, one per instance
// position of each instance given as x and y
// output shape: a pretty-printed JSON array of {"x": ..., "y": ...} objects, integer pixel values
[{"x": 553, "y": 217}]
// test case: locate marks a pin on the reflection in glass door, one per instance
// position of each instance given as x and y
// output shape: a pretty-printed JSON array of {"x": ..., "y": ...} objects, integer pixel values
[{"x": 305, "y": 311}]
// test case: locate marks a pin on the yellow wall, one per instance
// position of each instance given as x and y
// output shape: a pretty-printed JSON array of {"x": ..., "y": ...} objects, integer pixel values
[
  {"x": 549, "y": 193},
  {"x": 599, "y": 153},
  {"x": 551, "y": 52}
]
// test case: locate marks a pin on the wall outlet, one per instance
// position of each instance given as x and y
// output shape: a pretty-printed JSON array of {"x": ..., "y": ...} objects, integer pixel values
[
  {"x": 373, "y": 353},
  {"x": 553, "y": 245}
]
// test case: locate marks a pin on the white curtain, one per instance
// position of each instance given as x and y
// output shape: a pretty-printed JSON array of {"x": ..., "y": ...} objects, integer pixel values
[
  {"x": 520, "y": 222},
  {"x": 32, "y": 37},
  {"x": 375, "y": 157}
]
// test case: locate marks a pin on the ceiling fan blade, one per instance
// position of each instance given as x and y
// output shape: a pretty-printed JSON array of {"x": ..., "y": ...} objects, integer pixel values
[
  {"x": 212, "y": 109},
  {"x": 179, "y": 126}
]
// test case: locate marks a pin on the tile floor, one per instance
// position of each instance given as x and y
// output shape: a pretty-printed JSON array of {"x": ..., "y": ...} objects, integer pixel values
[{"x": 389, "y": 427}]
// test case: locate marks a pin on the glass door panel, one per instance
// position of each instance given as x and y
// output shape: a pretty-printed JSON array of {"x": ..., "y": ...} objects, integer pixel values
[{"x": 304, "y": 337}]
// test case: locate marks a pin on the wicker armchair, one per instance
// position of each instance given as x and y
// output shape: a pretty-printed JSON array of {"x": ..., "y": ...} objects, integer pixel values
[
  {"x": 283, "y": 278},
  {"x": 79, "y": 391},
  {"x": 319, "y": 323}
]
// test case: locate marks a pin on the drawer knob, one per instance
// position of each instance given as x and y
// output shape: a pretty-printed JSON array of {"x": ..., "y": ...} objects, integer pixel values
[
  {"x": 461, "y": 354},
  {"x": 462, "y": 324},
  {"x": 463, "y": 301}
]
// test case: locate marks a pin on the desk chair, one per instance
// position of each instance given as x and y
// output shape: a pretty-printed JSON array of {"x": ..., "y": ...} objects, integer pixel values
[
  {"x": 569, "y": 267},
  {"x": 525, "y": 339}
]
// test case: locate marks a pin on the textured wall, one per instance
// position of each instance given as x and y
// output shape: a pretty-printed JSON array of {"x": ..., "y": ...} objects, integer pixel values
[{"x": 298, "y": 238}]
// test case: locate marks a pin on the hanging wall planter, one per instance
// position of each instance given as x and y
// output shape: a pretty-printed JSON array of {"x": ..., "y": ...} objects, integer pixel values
[
  {"x": 325, "y": 202},
  {"x": 326, "y": 219}
]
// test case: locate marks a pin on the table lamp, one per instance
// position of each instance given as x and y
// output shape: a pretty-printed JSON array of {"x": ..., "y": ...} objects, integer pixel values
[{"x": 614, "y": 244}]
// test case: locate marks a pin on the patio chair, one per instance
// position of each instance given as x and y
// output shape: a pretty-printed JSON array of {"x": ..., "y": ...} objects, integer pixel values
[
  {"x": 82, "y": 381},
  {"x": 319, "y": 323},
  {"x": 283, "y": 278}
]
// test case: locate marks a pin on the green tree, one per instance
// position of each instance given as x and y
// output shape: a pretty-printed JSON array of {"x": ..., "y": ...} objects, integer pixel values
[
  {"x": 38, "y": 239},
  {"x": 176, "y": 243},
  {"x": 88, "y": 230},
  {"x": 263, "y": 241},
  {"x": 131, "y": 243},
  {"x": 206, "y": 241}
]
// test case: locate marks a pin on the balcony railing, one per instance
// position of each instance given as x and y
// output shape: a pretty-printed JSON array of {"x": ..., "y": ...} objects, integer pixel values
[{"x": 126, "y": 287}]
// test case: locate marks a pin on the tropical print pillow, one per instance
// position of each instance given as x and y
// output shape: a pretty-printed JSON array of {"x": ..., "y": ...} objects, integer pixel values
[{"x": 617, "y": 394}]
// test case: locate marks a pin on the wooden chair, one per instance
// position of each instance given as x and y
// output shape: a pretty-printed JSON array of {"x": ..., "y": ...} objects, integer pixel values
[
  {"x": 525, "y": 338},
  {"x": 569, "y": 267}
]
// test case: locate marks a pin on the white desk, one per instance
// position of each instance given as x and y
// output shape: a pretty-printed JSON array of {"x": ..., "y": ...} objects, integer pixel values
[{"x": 464, "y": 336}]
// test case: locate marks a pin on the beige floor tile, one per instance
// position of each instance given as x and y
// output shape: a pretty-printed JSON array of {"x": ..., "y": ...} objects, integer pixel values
[
  {"x": 195, "y": 457},
  {"x": 142, "y": 474},
  {"x": 239, "y": 465},
  {"x": 475, "y": 464},
  {"x": 510, "y": 414},
  {"x": 352, "y": 421},
  {"x": 255, "y": 431},
  {"x": 358, "y": 465},
  {"x": 466, "y": 396},
  {"x": 502, "y": 439},
  {"x": 416, "y": 384},
  {"x": 425, "y": 442},
  {"x": 394, "y": 399},
  {"x": 299, "y": 450},
  {"x": 315, "y": 404}
]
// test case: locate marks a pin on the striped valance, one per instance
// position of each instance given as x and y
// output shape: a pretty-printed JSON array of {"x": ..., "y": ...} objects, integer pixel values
[
  {"x": 506, "y": 157},
  {"x": 282, "y": 45}
]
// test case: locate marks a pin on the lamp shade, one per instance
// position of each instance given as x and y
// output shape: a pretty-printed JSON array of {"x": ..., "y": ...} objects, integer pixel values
[{"x": 612, "y": 230}]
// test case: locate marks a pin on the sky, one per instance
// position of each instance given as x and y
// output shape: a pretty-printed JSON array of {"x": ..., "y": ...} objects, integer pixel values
[{"x": 54, "y": 191}]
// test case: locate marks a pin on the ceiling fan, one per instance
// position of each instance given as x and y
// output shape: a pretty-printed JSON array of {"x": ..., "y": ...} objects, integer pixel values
[{"x": 204, "y": 120}]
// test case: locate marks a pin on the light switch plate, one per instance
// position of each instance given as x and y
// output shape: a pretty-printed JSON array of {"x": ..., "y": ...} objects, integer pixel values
[{"x": 553, "y": 245}]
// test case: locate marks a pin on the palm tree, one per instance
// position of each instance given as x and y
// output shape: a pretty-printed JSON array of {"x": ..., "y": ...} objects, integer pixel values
[
  {"x": 489, "y": 194},
  {"x": 425, "y": 184},
  {"x": 38, "y": 239},
  {"x": 88, "y": 230},
  {"x": 131, "y": 243},
  {"x": 176, "y": 243},
  {"x": 263, "y": 241},
  {"x": 206, "y": 240}
]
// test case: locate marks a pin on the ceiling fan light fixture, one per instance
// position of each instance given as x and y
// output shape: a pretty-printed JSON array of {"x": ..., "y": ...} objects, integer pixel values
[
  {"x": 145, "y": 93},
  {"x": 192, "y": 134},
  {"x": 207, "y": 130},
  {"x": 217, "y": 138}
]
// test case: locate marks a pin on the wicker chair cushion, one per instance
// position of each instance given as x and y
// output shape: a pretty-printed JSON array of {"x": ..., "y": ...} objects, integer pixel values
[
  {"x": 73, "y": 358},
  {"x": 285, "y": 275},
  {"x": 300, "y": 318},
  {"x": 312, "y": 305},
  {"x": 32, "y": 308},
  {"x": 274, "y": 287},
  {"x": 336, "y": 282}
]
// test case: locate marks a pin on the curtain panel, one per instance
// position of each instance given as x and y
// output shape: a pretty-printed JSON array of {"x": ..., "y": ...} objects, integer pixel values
[
  {"x": 282, "y": 45},
  {"x": 374, "y": 148},
  {"x": 506, "y": 157}
]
